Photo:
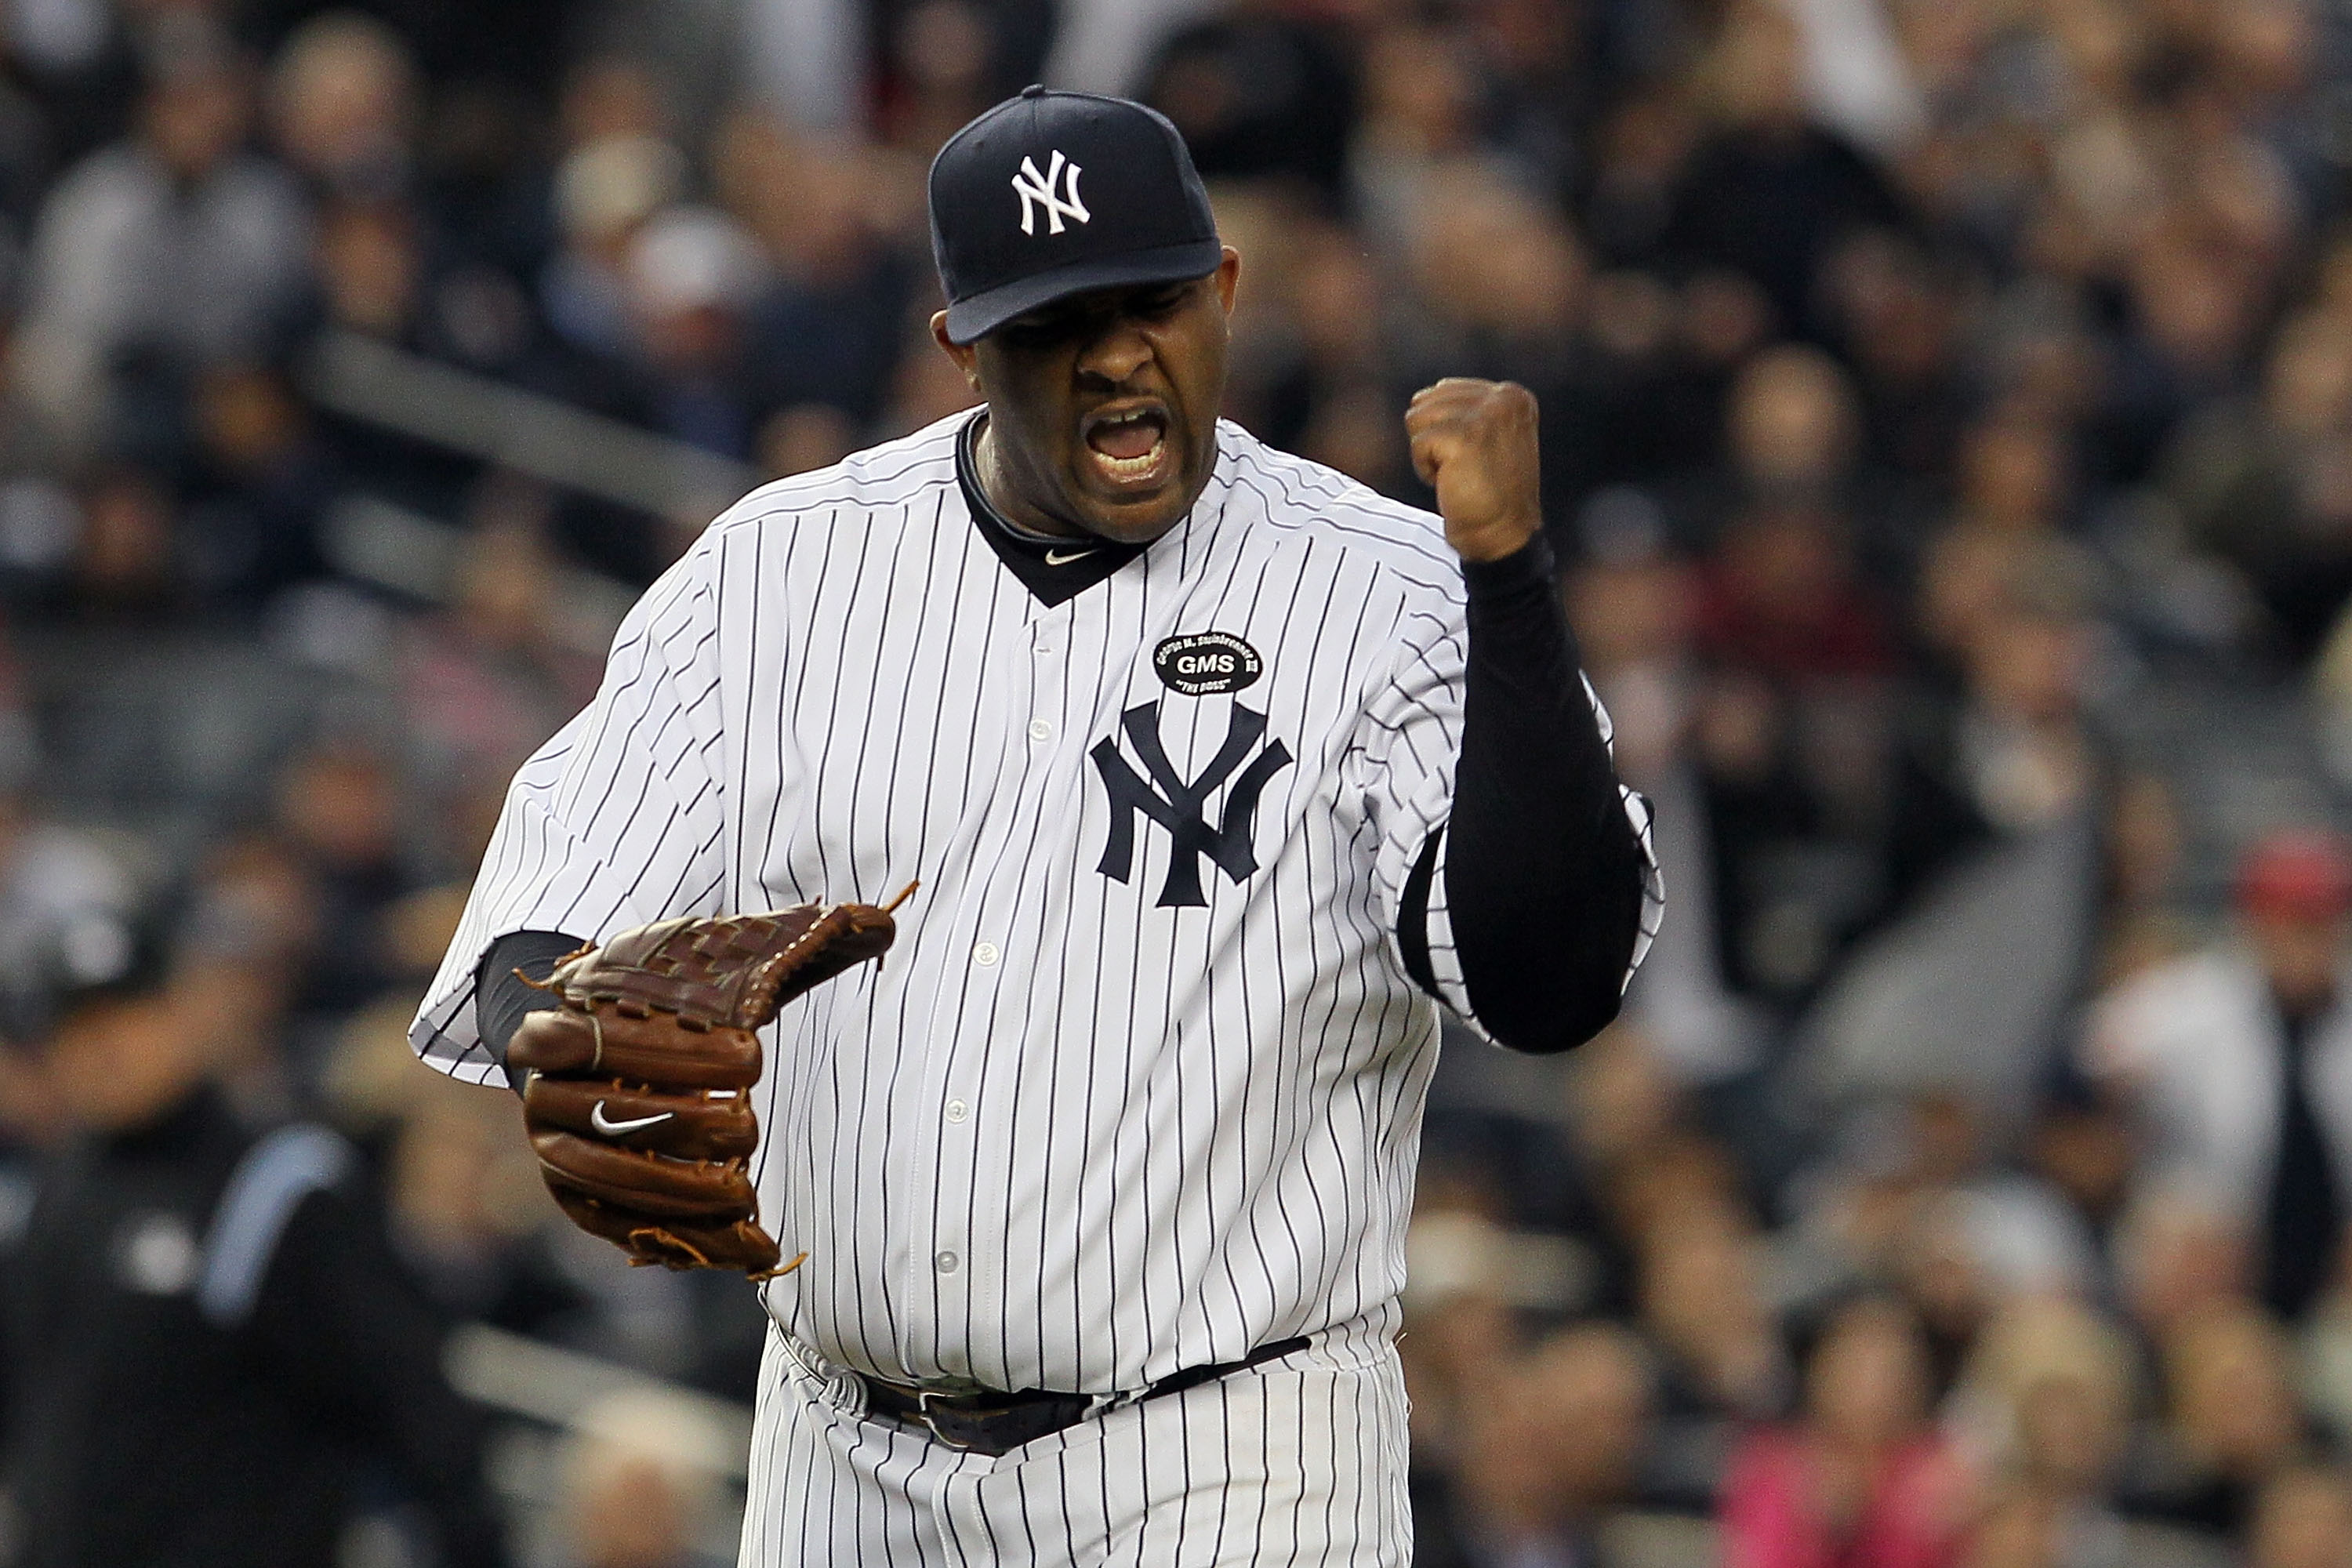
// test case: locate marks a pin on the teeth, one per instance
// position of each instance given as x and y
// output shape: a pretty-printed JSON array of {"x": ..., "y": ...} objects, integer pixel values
[{"x": 1131, "y": 467}]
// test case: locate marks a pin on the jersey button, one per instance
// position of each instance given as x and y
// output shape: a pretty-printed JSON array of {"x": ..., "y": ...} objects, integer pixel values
[
  {"x": 947, "y": 1262},
  {"x": 1040, "y": 729},
  {"x": 985, "y": 955},
  {"x": 958, "y": 1110}
]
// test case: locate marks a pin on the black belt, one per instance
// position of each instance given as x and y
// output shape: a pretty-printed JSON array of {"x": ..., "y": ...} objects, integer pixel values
[{"x": 992, "y": 1423}]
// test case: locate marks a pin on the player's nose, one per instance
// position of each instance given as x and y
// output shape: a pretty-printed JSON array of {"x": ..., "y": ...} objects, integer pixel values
[{"x": 1114, "y": 354}]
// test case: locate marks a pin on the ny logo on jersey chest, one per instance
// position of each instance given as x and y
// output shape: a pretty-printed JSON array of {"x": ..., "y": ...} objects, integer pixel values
[{"x": 1174, "y": 801}]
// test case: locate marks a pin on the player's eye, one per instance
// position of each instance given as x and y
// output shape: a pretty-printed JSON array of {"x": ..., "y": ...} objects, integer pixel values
[
  {"x": 1162, "y": 302},
  {"x": 1044, "y": 328},
  {"x": 1053, "y": 325}
]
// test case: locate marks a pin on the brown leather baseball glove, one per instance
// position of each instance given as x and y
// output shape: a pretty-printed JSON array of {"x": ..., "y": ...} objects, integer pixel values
[{"x": 638, "y": 1099}]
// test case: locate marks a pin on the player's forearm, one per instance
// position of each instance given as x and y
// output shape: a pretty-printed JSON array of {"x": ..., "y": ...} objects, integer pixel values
[{"x": 1543, "y": 877}]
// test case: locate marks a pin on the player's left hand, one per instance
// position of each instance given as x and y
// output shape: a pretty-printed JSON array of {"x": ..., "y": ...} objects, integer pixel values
[
  {"x": 638, "y": 1101},
  {"x": 1475, "y": 441}
]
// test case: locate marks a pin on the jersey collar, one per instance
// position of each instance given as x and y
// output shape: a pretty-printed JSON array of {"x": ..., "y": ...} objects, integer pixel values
[{"x": 1054, "y": 570}]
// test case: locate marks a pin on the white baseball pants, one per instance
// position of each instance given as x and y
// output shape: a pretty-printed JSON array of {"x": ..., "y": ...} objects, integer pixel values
[{"x": 1299, "y": 1461}]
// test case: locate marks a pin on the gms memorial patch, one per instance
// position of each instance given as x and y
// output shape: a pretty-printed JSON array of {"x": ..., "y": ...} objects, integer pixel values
[{"x": 1206, "y": 663}]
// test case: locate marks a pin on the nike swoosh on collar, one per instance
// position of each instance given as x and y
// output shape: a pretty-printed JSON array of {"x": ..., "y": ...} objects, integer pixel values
[
  {"x": 611, "y": 1129},
  {"x": 1055, "y": 558}
]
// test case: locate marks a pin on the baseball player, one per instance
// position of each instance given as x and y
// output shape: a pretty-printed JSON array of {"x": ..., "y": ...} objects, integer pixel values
[{"x": 1219, "y": 773}]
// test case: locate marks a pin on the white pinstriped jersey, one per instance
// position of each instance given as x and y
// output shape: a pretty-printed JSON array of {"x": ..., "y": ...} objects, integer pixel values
[{"x": 1139, "y": 1086}]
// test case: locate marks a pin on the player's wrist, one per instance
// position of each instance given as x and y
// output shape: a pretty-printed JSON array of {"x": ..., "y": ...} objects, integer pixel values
[
  {"x": 1530, "y": 565},
  {"x": 1494, "y": 540}
]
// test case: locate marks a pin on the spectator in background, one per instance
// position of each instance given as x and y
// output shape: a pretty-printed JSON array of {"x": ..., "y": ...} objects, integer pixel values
[
  {"x": 637, "y": 1484},
  {"x": 2235, "y": 1061},
  {"x": 370, "y": 269},
  {"x": 1724, "y": 1365},
  {"x": 1791, "y": 436},
  {"x": 1790, "y": 725},
  {"x": 370, "y": 278},
  {"x": 1899, "y": 322},
  {"x": 1913, "y": 1194},
  {"x": 2012, "y": 480},
  {"x": 2199, "y": 283},
  {"x": 1768, "y": 195},
  {"x": 1632, "y": 607},
  {"x": 463, "y": 1208},
  {"x": 1785, "y": 603},
  {"x": 2233, "y": 1425},
  {"x": 1548, "y": 67},
  {"x": 1264, "y": 91},
  {"x": 168, "y": 252},
  {"x": 612, "y": 94},
  {"x": 256, "y": 484},
  {"x": 1418, "y": 130},
  {"x": 947, "y": 60},
  {"x": 64, "y": 905},
  {"x": 29, "y": 145},
  {"x": 1459, "y": 1340},
  {"x": 2303, "y": 1519},
  {"x": 691, "y": 276},
  {"x": 833, "y": 300},
  {"x": 923, "y": 387},
  {"x": 125, "y": 566},
  {"x": 606, "y": 190},
  {"x": 203, "y": 1330},
  {"x": 250, "y": 923},
  {"x": 2047, "y": 1401},
  {"x": 516, "y": 50},
  {"x": 483, "y": 683},
  {"x": 802, "y": 438},
  {"x": 339, "y": 816},
  {"x": 2265, "y": 480},
  {"x": 1861, "y": 1477},
  {"x": 1550, "y": 1454},
  {"x": 342, "y": 105},
  {"x": 1995, "y": 895}
]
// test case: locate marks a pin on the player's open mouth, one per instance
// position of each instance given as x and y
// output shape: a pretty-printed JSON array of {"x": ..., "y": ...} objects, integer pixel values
[{"x": 1129, "y": 445}]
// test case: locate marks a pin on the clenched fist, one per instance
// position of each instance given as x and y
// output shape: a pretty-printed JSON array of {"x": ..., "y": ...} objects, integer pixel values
[{"x": 1475, "y": 441}]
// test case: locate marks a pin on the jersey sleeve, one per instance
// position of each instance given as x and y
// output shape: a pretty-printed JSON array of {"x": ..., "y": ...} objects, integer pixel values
[
  {"x": 1520, "y": 967},
  {"x": 617, "y": 821},
  {"x": 1415, "y": 727}
]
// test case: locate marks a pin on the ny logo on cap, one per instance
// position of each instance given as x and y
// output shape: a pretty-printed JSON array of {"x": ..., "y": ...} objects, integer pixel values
[{"x": 1037, "y": 190}]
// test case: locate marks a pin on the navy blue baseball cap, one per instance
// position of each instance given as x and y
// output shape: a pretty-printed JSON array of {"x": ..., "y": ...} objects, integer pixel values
[{"x": 1051, "y": 194}]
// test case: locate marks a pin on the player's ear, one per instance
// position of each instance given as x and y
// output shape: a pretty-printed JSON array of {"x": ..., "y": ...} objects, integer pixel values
[
  {"x": 966, "y": 355},
  {"x": 1229, "y": 277}
]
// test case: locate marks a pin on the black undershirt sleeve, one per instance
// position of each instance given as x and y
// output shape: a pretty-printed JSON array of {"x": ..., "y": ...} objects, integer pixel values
[
  {"x": 1543, "y": 872},
  {"x": 501, "y": 998}
]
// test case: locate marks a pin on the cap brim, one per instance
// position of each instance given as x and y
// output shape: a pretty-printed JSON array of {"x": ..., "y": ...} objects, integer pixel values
[{"x": 969, "y": 319}]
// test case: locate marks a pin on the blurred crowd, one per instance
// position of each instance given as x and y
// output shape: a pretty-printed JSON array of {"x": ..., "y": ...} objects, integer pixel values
[{"x": 1948, "y": 441}]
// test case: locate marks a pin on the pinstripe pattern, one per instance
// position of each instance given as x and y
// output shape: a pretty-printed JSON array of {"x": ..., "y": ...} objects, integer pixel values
[
  {"x": 1065, "y": 1137},
  {"x": 1299, "y": 1463}
]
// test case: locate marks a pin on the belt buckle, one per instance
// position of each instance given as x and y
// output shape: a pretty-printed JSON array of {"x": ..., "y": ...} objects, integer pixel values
[{"x": 930, "y": 1418}]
